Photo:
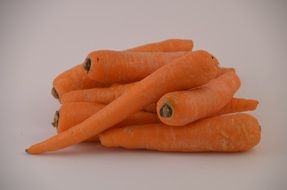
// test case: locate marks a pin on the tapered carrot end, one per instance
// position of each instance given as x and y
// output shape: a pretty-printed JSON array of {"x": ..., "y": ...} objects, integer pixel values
[
  {"x": 56, "y": 119},
  {"x": 54, "y": 93},
  {"x": 87, "y": 64},
  {"x": 27, "y": 151},
  {"x": 166, "y": 110}
]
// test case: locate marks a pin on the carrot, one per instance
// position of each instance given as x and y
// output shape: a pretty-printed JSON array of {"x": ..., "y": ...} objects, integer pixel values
[
  {"x": 238, "y": 105},
  {"x": 165, "y": 46},
  {"x": 123, "y": 67},
  {"x": 183, "y": 107},
  {"x": 74, "y": 113},
  {"x": 194, "y": 69},
  {"x": 96, "y": 95},
  {"x": 76, "y": 79},
  {"x": 228, "y": 133}
]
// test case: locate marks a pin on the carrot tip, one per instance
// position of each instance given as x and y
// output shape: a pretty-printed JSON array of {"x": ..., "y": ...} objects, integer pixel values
[
  {"x": 54, "y": 93},
  {"x": 165, "y": 110},
  {"x": 27, "y": 150},
  {"x": 56, "y": 119},
  {"x": 87, "y": 64}
]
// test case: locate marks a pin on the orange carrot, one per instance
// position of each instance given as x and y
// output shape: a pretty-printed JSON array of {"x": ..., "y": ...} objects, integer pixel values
[
  {"x": 194, "y": 69},
  {"x": 183, "y": 107},
  {"x": 238, "y": 105},
  {"x": 74, "y": 113},
  {"x": 228, "y": 133},
  {"x": 123, "y": 67},
  {"x": 76, "y": 79},
  {"x": 165, "y": 46},
  {"x": 96, "y": 95}
]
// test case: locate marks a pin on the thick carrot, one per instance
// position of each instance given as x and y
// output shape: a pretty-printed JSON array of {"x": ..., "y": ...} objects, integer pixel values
[
  {"x": 73, "y": 113},
  {"x": 183, "y": 107},
  {"x": 228, "y": 133},
  {"x": 194, "y": 69},
  {"x": 238, "y": 105},
  {"x": 122, "y": 67},
  {"x": 165, "y": 46},
  {"x": 76, "y": 79}
]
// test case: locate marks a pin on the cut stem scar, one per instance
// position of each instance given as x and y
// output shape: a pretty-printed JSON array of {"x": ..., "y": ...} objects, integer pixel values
[
  {"x": 54, "y": 93},
  {"x": 166, "y": 110},
  {"x": 87, "y": 64},
  {"x": 56, "y": 119}
]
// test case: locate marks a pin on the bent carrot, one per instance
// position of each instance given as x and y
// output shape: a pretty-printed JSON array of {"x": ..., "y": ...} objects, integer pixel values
[
  {"x": 165, "y": 46},
  {"x": 123, "y": 67},
  {"x": 194, "y": 69},
  {"x": 76, "y": 79},
  {"x": 183, "y": 107},
  {"x": 228, "y": 133},
  {"x": 74, "y": 113}
]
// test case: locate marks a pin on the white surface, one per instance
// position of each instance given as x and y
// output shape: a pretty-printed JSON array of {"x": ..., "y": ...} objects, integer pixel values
[{"x": 38, "y": 40}]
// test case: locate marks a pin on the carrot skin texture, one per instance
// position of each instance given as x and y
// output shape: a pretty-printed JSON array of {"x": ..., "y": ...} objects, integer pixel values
[
  {"x": 228, "y": 133},
  {"x": 123, "y": 67},
  {"x": 239, "y": 105},
  {"x": 169, "y": 45},
  {"x": 183, "y": 107},
  {"x": 194, "y": 69}
]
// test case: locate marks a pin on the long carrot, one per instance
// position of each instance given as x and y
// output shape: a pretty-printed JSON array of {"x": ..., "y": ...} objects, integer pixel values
[
  {"x": 73, "y": 113},
  {"x": 228, "y": 133},
  {"x": 123, "y": 67},
  {"x": 76, "y": 79},
  {"x": 194, "y": 69},
  {"x": 165, "y": 46},
  {"x": 183, "y": 107}
]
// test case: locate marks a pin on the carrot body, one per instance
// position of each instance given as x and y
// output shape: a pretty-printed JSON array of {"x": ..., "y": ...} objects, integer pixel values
[
  {"x": 123, "y": 67},
  {"x": 183, "y": 107},
  {"x": 238, "y": 105},
  {"x": 165, "y": 46},
  {"x": 229, "y": 133},
  {"x": 76, "y": 79},
  {"x": 194, "y": 69},
  {"x": 73, "y": 113}
]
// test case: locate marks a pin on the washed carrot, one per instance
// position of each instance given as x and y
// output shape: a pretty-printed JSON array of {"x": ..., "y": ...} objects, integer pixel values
[
  {"x": 165, "y": 46},
  {"x": 194, "y": 69},
  {"x": 74, "y": 113},
  {"x": 96, "y": 95},
  {"x": 238, "y": 105},
  {"x": 183, "y": 107},
  {"x": 228, "y": 133},
  {"x": 123, "y": 67},
  {"x": 76, "y": 79}
]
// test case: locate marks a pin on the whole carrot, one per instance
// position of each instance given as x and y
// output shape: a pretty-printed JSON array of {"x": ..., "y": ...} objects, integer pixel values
[
  {"x": 123, "y": 67},
  {"x": 183, "y": 107},
  {"x": 76, "y": 79},
  {"x": 229, "y": 133},
  {"x": 194, "y": 69},
  {"x": 73, "y": 113}
]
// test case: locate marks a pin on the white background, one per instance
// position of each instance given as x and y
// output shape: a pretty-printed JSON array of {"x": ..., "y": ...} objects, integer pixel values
[{"x": 39, "y": 39}]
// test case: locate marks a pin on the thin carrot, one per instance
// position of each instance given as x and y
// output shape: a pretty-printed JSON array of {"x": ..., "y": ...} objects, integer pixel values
[
  {"x": 76, "y": 79},
  {"x": 194, "y": 69},
  {"x": 228, "y": 133},
  {"x": 123, "y": 67},
  {"x": 73, "y": 113},
  {"x": 238, "y": 105},
  {"x": 165, "y": 46},
  {"x": 183, "y": 107}
]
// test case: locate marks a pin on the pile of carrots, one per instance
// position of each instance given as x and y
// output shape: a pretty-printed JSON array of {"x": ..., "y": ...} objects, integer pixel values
[{"x": 161, "y": 96}]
